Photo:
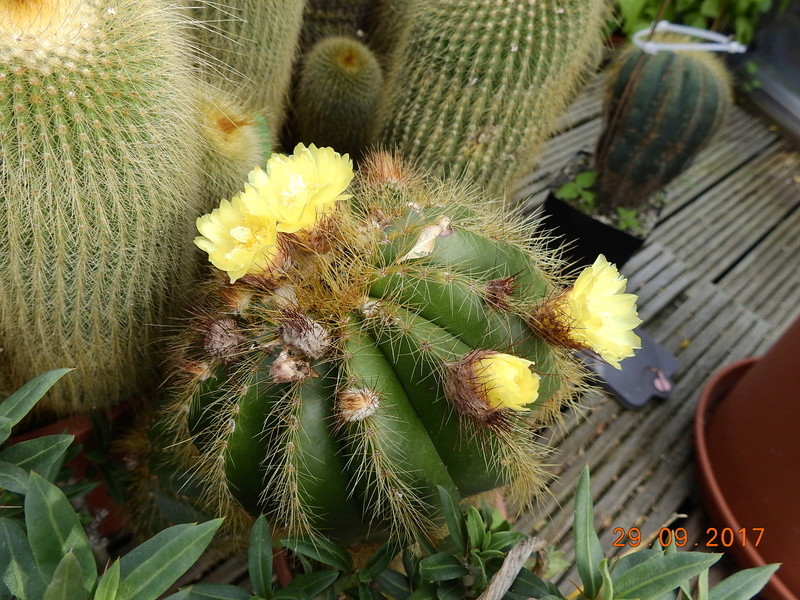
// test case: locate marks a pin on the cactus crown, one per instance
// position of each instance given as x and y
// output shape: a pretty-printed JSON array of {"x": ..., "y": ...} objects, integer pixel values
[{"x": 351, "y": 366}]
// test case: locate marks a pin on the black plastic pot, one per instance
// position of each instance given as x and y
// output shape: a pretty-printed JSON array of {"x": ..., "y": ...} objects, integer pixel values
[{"x": 584, "y": 238}]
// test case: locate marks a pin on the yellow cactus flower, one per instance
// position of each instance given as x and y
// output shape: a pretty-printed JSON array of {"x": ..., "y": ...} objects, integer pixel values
[
  {"x": 301, "y": 189},
  {"x": 507, "y": 380},
  {"x": 237, "y": 242},
  {"x": 601, "y": 316}
]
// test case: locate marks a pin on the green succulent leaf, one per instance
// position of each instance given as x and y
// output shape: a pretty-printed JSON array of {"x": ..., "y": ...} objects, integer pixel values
[
  {"x": 441, "y": 567},
  {"x": 529, "y": 585},
  {"x": 744, "y": 584},
  {"x": 148, "y": 570},
  {"x": 379, "y": 561},
  {"x": 259, "y": 557},
  {"x": 18, "y": 569},
  {"x": 13, "y": 478},
  {"x": 211, "y": 591},
  {"x": 394, "y": 584},
  {"x": 314, "y": 583},
  {"x": 625, "y": 563},
  {"x": 476, "y": 528},
  {"x": 661, "y": 574},
  {"x": 288, "y": 593},
  {"x": 588, "y": 552},
  {"x": 450, "y": 590},
  {"x": 45, "y": 455},
  {"x": 67, "y": 582},
  {"x": 607, "y": 589},
  {"x": 5, "y": 428},
  {"x": 321, "y": 550},
  {"x": 108, "y": 584},
  {"x": 453, "y": 518},
  {"x": 54, "y": 529},
  {"x": 20, "y": 403}
]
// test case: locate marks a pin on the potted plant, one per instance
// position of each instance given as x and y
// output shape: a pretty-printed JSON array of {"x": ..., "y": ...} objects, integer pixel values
[
  {"x": 658, "y": 112},
  {"x": 746, "y": 451}
]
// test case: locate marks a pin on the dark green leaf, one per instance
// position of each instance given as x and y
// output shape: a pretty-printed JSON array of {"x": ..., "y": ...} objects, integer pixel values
[
  {"x": 660, "y": 574},
  {"x": 379, "y": 561},
  {"x": 394, "y": 584},
  {"x": 607, "y": 589},
  {"x": 453, "y": 518},
  {"x": 314, "y": 583},
  {"x": 505, "y": 540},
  {"x": 67, "y": 582},
  {"x": 476, "y": 528},
  {"x": 211, "y": 591},
  {"x": 13, "y": 478},
  {"x": 441, "y": 567},
  {"x": 5, "y": 428},
  {"x": 744, "y": 584},
  {"x": 149, "y": 570},
  {"x": 529, "y": 585},
  {"x": 425, "y": 592},
  {"x": 625, "y": 563},
  {"x": 43, "y": 455},
  {"x": 54, "y": 529},
  {"x": 108, "y": 583},
  {"x": 450, "y": 590},
  {"x": 321, "y": 550},
  {"x": 18, "y": 569},
  {"x": 365, "y": 592},
  {"x": 588, "y": 552},
  {"x": 259, "y": 557},
  {"x": 290, "y": 594},
  {"x": 19, "y": 404}
]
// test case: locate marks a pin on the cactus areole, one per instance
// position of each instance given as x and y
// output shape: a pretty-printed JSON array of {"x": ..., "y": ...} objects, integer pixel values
[{"x": 389, "y": 348}]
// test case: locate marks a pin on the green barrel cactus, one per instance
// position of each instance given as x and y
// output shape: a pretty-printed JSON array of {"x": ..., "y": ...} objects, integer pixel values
[
  {"x": 99, "y": 179},
  {"x": 337, "y": 95},
  {"x": 248, "y": 49},
  {"x": 363, "y": 348},
  {"x": 473, "y": 88},
  {"x": 659, "y": 111}
]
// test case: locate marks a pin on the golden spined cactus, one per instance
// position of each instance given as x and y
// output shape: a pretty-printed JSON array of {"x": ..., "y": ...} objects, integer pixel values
[
  {"x": 248, "y": 49},
  {"x": 99, "y": 156},
  {"x": 473, "y": 87}
]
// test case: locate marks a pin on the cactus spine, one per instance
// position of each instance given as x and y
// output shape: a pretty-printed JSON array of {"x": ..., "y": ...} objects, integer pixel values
[
  {"x": 659, "y": 111},
  {"x": 335, "y": 394},
  {"x": 99, "y": 148},
  {"x": 474, "y": 87},
  {"x": 249, "y": 48},
  {"x": 337, "y": 95}
]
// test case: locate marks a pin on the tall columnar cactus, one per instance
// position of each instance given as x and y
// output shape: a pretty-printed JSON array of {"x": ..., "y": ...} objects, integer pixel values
[
  {"x": 365, "y": 348},
  {"x": 249, "y": 48},
  {"x": 659, "y": 111},
  {"x": 473, "y": 88},
  {"x": 99, "y": 155},
  {"x": 324, "y": 18},
  {"x": 337, "y": 95},
  {"x": 236, "y": 139}
]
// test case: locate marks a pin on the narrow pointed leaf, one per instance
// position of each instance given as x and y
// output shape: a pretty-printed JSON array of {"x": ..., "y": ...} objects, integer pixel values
[
  {"x": 588, "y": 552},
  {"x": 19, "y": 404},
  {"x": 529, "y": 585},
  {"x": 18, "y": 570},
  {"x": 45, "y": 455},
  {"x": 607, "y": 589},
  {"x": 476, "y": 528},
  {"x": 149, "y": 570},
  {"x": 13, "y": 478},
  {"x": 702, "y": 586},
  {"x": 441, "y": 567},
  {"x": 259, "y": 557},
  {"x": 394, "y": 584},
  {"x": 322, "y": 550},
  {"x": 211, "y": 591},
  {"x": 453, "y": 518},
  {"x": 5, "y": 428},
  {"x": 54, "y": 529},
  {"x": 744, "y": 584},
  {"x": 108, "y": 583},
  {"x": 380, "y": 560},
  {"x": 67, "y": 582},
  {"x": 661, "y": 574},
  {"x": 314, "y": 583}
]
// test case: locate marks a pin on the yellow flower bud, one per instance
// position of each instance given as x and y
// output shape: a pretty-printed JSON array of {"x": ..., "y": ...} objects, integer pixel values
[
  {"x": 601, "y": 316},
  {"x": 507, "y": 381}
]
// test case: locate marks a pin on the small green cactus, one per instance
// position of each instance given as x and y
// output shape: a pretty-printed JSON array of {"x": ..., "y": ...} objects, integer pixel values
[
  {"x": 337, "y": 95},
  {"x": 356, "y": 364},
  {"x": 473, "y": 88},
  {"x": 248, "y": 48},
  {"x": 659, "y": 111},
  {"x": 99, "y": 157}
]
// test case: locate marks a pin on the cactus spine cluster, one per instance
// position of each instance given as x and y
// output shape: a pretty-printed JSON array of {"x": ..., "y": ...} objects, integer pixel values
[
  {"x": 659, "y": 111},
  {"x": 99, "y": 155},
  {"x": 337, "y": 95},
  {"x": 473, "y": 87},
  {"x": 248, "y": 48},
  {"x": 337, "y": 391}
]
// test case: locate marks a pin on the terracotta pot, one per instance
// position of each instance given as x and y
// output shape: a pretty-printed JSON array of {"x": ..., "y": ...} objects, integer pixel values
[
  {"x": 747, "y": 450},
  {"x": 112, "y": 517}
]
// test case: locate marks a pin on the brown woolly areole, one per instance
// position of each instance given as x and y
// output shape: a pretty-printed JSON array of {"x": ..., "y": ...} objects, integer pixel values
[
  {"x": 468, "y": 393},
  {"x": 498, "y": 290},
  {"x": 551, "y": 321},
  {"x": 222, "y": 339},
  {"x": 304, "y": 334},
  {"x": 354, "y": 404},
  {"x": 43, "y": 22}
]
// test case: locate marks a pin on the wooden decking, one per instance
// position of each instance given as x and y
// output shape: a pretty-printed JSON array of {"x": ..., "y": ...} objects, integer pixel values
[{"x": 717, "y": 281}]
